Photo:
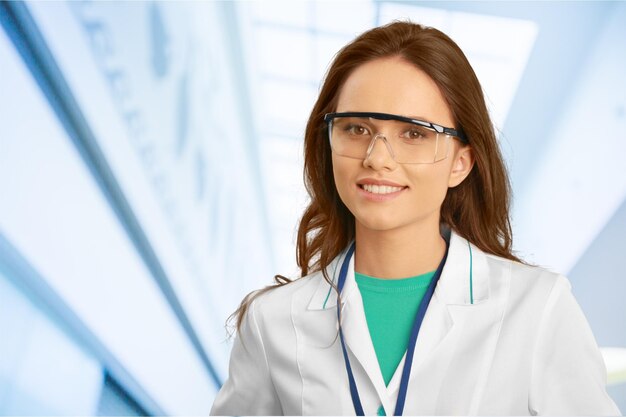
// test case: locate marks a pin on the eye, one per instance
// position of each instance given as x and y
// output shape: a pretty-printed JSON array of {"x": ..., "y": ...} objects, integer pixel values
[
  {"x": 416, "y": 134},
  {"x": 356, "y": 129}
]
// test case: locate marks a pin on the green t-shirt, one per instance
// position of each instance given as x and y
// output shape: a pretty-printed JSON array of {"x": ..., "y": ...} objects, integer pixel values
[{"x": 390, "y": 307}]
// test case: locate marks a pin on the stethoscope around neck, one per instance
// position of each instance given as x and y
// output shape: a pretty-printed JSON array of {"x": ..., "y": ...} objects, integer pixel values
[{"x": 419, "y": 317}]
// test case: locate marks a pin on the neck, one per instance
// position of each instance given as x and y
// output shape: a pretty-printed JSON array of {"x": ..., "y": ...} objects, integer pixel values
[{"x": 398, "y": 253}]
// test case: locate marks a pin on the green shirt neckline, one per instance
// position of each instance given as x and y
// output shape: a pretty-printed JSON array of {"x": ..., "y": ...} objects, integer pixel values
[
  {"x": 394, "y": 285},
  {"x": 390, "y": 306}
]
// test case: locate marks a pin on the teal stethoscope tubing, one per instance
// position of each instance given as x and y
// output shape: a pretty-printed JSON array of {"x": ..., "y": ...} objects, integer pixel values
[{"x": 419, "y": 317}]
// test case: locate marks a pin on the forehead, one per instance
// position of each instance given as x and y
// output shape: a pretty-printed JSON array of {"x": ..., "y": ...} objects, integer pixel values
[{"x": 392, "y": 85}]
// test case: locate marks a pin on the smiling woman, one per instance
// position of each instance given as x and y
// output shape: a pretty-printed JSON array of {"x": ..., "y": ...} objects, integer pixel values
[
  {"x": 410, "y": 299},
  {"x": 398, "y": 233}
]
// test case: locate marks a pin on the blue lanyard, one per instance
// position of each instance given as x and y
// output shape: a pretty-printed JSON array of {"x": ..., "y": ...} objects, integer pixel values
[{"x": 406, "y": 372}]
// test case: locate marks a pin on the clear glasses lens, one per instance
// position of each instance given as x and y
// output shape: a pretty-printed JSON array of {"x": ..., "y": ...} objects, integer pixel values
[{"x": 411, "y": 143}]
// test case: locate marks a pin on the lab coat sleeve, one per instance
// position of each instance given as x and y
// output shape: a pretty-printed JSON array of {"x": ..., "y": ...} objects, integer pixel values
[
  {"x": 249, "y": 389},
  {"x": 568, "y": 371}
]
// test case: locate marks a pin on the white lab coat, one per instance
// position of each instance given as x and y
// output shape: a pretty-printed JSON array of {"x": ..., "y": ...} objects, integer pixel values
[{"x": 509, "y": 341}]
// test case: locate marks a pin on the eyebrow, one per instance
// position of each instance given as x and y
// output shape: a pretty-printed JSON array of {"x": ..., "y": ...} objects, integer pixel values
[
  {"x": 421, "y": 118},
  {"x": 425, "y": 119}
]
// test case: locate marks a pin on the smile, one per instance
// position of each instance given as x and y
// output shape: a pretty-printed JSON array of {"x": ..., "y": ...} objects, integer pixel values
[{"x": 380, "y": 189}]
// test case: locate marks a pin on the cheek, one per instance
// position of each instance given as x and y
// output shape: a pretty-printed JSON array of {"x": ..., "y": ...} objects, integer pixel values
[
  {"x": 430, "y": 185},
  {"x": 342, "y": 175}
]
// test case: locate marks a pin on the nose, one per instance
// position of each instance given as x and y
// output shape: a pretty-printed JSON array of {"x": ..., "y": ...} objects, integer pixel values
[{"x": 380, "y": 155}]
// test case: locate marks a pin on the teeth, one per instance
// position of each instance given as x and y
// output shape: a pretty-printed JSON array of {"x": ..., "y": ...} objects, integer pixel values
[{"x": 380, "y": 189}]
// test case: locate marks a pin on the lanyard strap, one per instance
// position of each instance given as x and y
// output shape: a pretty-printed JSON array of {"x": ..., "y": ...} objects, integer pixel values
[
  {"x": 419, "y": 317},
  {"x": 354, "y": 392}
]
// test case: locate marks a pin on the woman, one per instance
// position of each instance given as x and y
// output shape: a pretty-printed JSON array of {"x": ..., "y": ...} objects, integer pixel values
[{"x": 408, "y": 230}]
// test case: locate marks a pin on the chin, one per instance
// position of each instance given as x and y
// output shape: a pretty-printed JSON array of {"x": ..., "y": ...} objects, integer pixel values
[{"x": 379, "y": 223}]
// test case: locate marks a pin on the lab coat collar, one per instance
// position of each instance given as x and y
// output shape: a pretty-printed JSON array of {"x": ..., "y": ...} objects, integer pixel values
[{"x": 464, "y": 279}]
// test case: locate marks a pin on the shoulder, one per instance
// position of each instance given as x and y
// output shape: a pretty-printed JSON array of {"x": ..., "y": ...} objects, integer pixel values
[
  {"x": 277, "y": 303},
  {"x": 520, "y": 270},
  {"x": 526, "y": 280},
  {"x": 270, "y": 316},
  {"x": 473, "y": 276}
]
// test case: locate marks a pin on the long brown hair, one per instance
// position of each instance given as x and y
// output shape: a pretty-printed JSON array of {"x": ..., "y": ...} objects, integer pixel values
[{"x": 477, "y": 209}]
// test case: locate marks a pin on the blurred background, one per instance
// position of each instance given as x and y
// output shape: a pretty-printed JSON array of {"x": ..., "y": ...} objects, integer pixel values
[{"x": 151, "y": 176}]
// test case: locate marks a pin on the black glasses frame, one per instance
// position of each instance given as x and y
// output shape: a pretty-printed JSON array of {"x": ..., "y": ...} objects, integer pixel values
[{"x": 328, "y": 118}]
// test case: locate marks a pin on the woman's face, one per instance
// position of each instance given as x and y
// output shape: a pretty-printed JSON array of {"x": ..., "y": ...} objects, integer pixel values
[{"x": 392, "y": 85}]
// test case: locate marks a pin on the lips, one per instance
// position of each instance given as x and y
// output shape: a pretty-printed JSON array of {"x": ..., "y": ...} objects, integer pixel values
[
  {"x": 379, "y": 186},
  {"x": 380, "y": 189},
  {"x": 376, "y": 181}
]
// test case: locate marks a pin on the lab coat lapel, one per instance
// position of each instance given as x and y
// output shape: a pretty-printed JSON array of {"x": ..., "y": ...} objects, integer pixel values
[
  {"x": 357, "y": 337},
  {"x": 356, "y": 333}
]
